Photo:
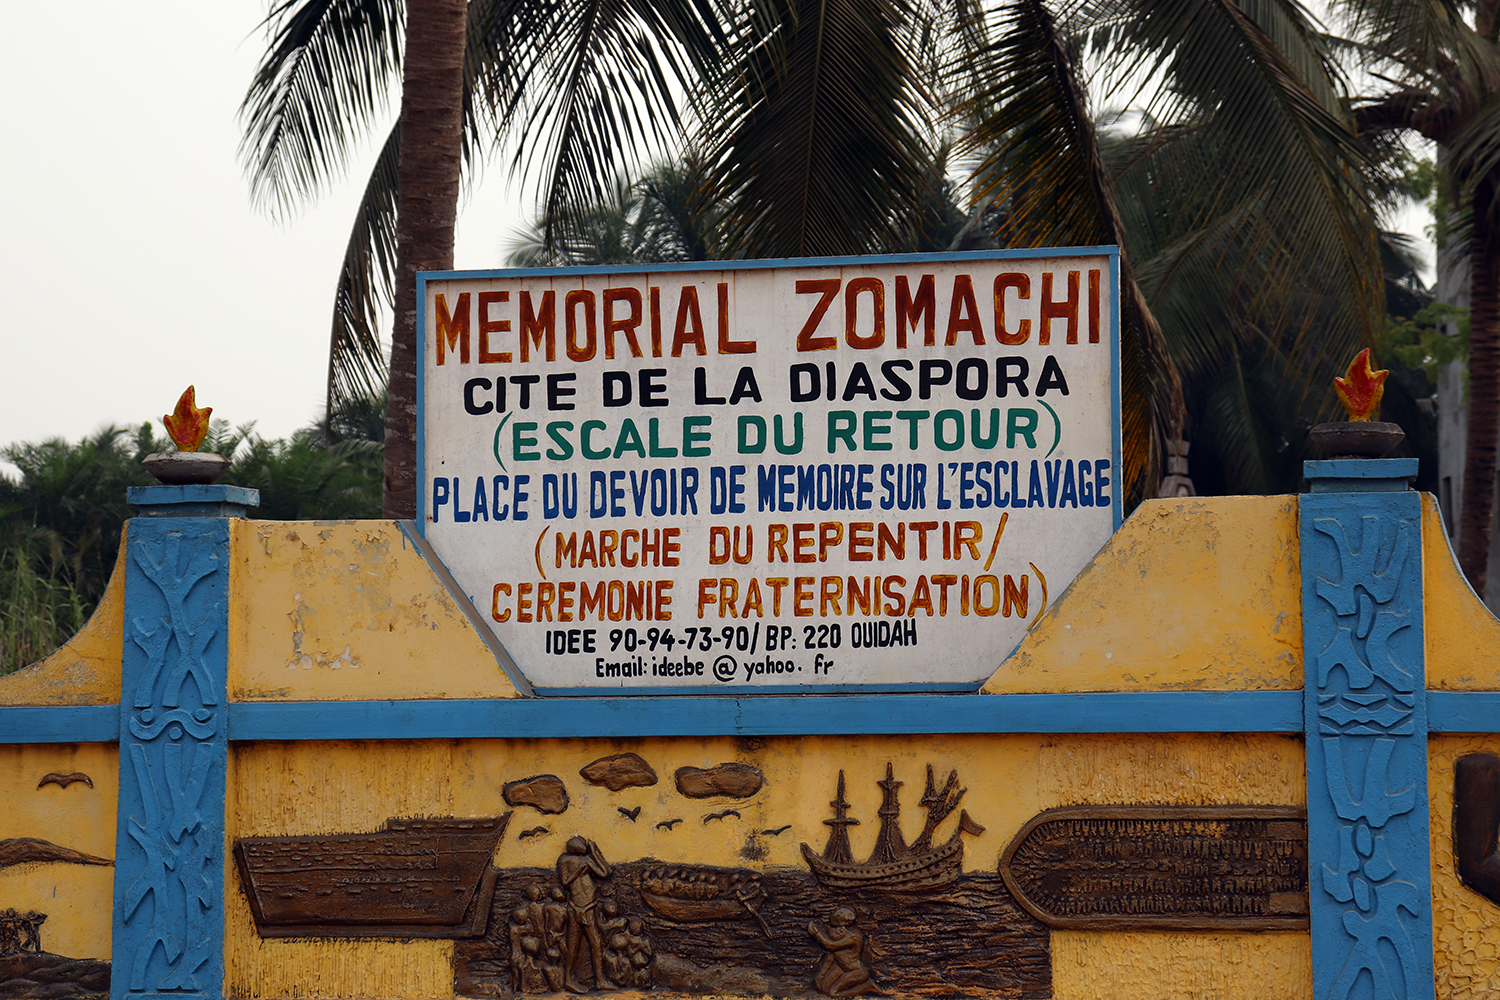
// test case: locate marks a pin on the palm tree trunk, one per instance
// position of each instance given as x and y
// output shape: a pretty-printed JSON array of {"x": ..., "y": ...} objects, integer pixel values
[
  {"x": 1484, "y": 392},
  {"x": 432, "y": 87}
]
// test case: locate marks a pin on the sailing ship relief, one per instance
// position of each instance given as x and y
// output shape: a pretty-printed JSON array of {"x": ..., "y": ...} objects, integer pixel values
[{"x": 895, "y": 866}]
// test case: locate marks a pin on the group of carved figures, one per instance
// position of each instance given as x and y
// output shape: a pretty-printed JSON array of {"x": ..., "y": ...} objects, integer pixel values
[
  {"x": 20, "y": 932},
  {"x": 558, "y": 937}
]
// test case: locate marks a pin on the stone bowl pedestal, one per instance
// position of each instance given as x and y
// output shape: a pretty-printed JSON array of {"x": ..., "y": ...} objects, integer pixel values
[
  {"x": 185, "y": 468},
  {"x": 1357, "y": 438}
]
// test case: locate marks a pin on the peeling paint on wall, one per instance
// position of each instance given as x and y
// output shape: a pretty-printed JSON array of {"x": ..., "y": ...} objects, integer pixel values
[
  {"x": 347, "y": 611},
  {"x": 1222, "y": 610}
]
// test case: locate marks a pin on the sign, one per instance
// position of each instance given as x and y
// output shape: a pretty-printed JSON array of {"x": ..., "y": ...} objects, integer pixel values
[{"x": 756, "y": 476}]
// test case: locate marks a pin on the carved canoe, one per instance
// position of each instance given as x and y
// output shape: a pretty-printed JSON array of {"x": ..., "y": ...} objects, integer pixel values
[{"x": 688, "y": 911}]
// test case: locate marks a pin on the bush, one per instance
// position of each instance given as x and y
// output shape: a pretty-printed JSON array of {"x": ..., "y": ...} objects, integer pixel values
[{"x": 62, "y": 517}]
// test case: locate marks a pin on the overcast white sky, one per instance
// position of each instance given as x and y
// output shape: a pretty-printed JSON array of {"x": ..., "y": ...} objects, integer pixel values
[{"x": 132, "y": 262}]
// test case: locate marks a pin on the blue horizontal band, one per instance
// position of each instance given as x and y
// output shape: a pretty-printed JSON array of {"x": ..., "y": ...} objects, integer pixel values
[
  {"x": 1463, "y": 711},
  {"x": 59, "y": 723},
  {"x": 1151, "y": 712},
  {"x": 1144, "y": 712}
]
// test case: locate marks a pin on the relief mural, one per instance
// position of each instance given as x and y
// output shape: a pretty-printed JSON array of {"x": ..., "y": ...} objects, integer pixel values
[
  {"x": 906, "y": 920},
  {"x": 1162, "y": 867},
  {"x": 27, "y": 968}
]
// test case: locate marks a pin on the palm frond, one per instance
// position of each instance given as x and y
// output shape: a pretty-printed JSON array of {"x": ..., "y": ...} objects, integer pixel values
[
  {"x": 1207, "y": 275},
  {"x": 1044, "y": 169},
  {"x": 663, "y": 217},
  {"x": 1238, "y": 431},
  {"x": 1427, "y": 43},
  {"x": 326, "y": 74},
  {"x": 815, "y": 133},
  {"x": 1474, "y": 147},
  {"x": 577, "y": 86},
  {"x": 1259, "y": 84},
  {"x": 356, "y": 361}
]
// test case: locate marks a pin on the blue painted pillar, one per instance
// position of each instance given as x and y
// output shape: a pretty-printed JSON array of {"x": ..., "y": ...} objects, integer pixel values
[
  {"x": 1366, "y": 724},
  {"x": 169, "y": 853}
]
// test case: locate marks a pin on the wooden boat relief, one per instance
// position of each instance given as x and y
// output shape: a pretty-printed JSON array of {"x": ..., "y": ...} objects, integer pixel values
[
  {"x": 697, "y": 895},
  {"x": 415, "y": 878}
]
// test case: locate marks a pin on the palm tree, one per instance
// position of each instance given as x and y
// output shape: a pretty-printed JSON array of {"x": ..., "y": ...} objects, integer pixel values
[
  {"x": 1240, "y": 206},
  {"x": 1444, "y": 84},
  {"x": 581, "y": 81},
  {"x": 1259, "y": 257},
  {"x": 305, "y": 477},
  {"x": 427, "y": 179},
  {"x": 817, "y": 127},
  {"x": 661, "y": 217},
  {"x": 67, "y": 505}
]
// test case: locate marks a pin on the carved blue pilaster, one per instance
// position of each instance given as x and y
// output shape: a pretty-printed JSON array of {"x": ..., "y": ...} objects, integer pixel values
[
  {"x": 1366, "y": 725},
  {"x": 169, "y": 867}
]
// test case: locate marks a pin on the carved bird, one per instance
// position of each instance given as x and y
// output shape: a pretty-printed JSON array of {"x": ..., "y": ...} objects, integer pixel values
[
  {"x": 535, "y": 831},
  {"x": 667, "y": 824},
  {"x": 778, "y": 831},
  {"x": 720, "y": 815},
  {"x": 630, "y": 814},
  {"x": 64, "y": 780}
]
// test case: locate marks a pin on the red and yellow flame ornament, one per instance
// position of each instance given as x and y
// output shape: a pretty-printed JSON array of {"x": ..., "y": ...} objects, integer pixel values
[
  {"x": 1361, "y": 387},
  {"x": 188, "y": 423}
]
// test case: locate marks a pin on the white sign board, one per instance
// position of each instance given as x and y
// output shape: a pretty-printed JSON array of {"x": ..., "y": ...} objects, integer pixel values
[{"x": 754, "y": 477}]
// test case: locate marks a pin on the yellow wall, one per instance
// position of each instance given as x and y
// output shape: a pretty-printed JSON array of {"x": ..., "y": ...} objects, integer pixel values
[
  {"x": 1462, "y": 637},
  {"x": 1191, "y": 594},
  {"x": 78, "y": 899},
  {"x": 85, "y": 670},
  {"x": 1465, "y": 942},
  {"x": 1223, "y": 612},
  {"x": 304, "y": 788},
  {"x": 1199, "y": 594},
  {"x": 347, "y": 610}
]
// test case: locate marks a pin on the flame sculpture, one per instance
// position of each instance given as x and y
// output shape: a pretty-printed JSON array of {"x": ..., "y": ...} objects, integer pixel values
[
  {"x": 1361, "y": 388},
  {"x": 188, "y": 423}
]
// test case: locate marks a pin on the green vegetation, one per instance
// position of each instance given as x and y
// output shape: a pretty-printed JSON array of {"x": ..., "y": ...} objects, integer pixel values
[
  {"x": 59, "y": 534},
  {"x": 1245, "y": 202},
  {"x": 1436, "y": 77},
  {"x": 1418, "y": 341},
  {"x": 61, "y": 517}
]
